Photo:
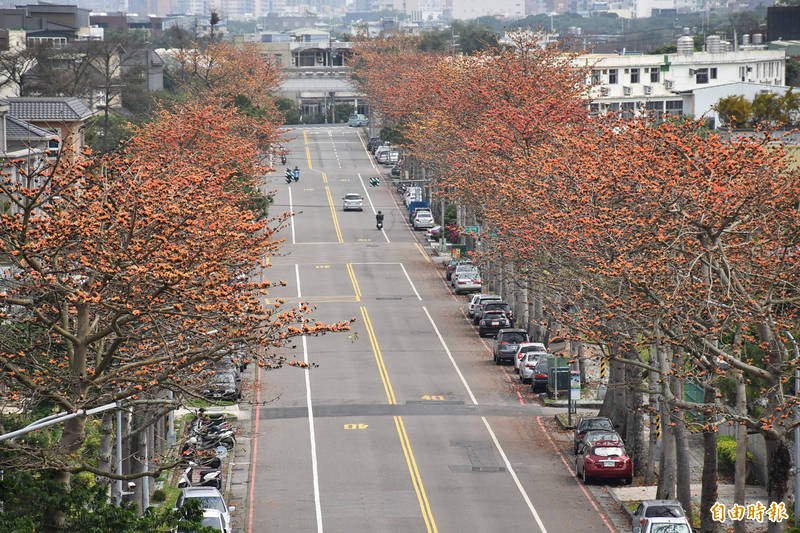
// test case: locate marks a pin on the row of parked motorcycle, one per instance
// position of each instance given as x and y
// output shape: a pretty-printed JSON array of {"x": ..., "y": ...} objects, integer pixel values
[{"x": 210, "y": 438}]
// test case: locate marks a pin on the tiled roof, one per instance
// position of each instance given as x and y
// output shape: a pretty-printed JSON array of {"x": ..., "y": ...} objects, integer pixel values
[
  {"x": 19, "y": 129},
  {"x": 53, "y": 108}
]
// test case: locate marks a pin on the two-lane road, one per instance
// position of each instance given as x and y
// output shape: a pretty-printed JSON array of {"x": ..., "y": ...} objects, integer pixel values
[{"x": 402, "y": 424}]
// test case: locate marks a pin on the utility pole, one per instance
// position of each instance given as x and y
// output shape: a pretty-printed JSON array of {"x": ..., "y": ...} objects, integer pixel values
[{"x": 796, "y": 436}]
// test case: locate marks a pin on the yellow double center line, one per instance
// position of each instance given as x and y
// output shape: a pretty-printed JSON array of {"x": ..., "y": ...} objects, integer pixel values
[
  {"x": 352, "y": 274},
  {"x": 308, "y": 153},
  {"x": 416, "y": 478}
]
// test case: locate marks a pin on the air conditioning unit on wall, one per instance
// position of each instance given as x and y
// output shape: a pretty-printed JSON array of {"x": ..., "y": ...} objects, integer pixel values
[
  {"x": 648, "y": 89},
  {"x": 668, "y": 84},
  {"x": 626, "y": 90}
]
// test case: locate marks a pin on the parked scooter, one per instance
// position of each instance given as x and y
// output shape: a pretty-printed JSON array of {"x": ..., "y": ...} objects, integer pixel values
[
  {"x": 283, "y": 159},
  {"x": 207, "y": 478}
]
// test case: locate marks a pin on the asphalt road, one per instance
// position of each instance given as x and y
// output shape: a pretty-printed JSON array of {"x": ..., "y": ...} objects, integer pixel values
[{"x": 403, "y": 424}]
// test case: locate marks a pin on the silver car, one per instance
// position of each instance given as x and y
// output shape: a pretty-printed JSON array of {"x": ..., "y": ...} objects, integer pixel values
[
  {"x": 423, "y": 220},
  {"x": 524, "y": 348},
  {"x": 468, "y": 283},
  {"x": 353, "y": 201},
  {"x": 478, "y": 298},
  {"x": 527, "y": 366},
  {"x": 209, "y": 498},
  {"x": 461, "y": 270}
]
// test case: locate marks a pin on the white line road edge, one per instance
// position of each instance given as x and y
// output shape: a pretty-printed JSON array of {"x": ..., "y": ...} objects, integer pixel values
[
  {"x": 297, "y": 277},
  {"x": 314, "y": 469},
  {"x": 509, "y": 468},
  {"x": 373, "y": 207},
  {"x": 312, "y": 436},
  {"x": 291, "y": 215},
  {"x": 410, "y": 282}
]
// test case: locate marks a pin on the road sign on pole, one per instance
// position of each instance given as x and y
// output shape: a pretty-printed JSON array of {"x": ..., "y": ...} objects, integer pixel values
[{"x": 575, "y": 387}]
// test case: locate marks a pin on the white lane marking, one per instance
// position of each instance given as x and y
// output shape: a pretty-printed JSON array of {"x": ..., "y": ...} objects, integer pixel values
[
  {"x": 410, "y": 282},
  {"x": 514, "y": 475},
  {"x": 314, "y": 469},
  {"x": 291, "y": 215},
  {"x": 297, "y": 277},
  {"x": 372, "y": 205},
  {"x": 330, "y": 134},
  {"x": 488, "y": 427},
  {"x": 450, "y": 355}
]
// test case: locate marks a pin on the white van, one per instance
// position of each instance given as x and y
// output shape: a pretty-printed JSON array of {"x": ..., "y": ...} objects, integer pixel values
[{"x": 412, "y": 194}]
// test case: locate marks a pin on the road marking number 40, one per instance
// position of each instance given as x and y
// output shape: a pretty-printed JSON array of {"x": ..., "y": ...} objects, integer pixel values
[
  {"x": 430, "y": 397},
  {"x": 356, "y": 426}
]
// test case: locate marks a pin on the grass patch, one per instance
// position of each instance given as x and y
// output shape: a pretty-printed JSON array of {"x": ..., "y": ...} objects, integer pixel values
[{"x": 199, "y": 402}]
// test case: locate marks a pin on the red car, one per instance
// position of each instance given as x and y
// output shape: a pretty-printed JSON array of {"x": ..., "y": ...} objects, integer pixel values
[{"x": 603, "y": 460}]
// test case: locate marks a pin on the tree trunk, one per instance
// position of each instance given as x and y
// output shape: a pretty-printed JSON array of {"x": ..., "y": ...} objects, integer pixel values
[
  {"x": 740, "y": 469},
  {"x": 650, "y": 471},
  {"x": 614, "y": 405},
  {"x": 682, "y": 462},
  {"x": 708, "y": 493},
  {"x": 104, "y": 461},
  {"x": 633, "y": 417},
  {"x": 667, "y": 460},
  {"x": 581, "y": 363},
  {"x": 777, "y": 475}
]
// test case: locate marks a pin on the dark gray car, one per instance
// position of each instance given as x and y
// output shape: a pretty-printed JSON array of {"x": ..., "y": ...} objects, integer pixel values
[{"x": 507, "y": 343}]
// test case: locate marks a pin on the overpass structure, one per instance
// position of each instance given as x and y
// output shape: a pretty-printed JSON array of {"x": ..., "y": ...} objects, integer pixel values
[{"x": 314, "y": 89}]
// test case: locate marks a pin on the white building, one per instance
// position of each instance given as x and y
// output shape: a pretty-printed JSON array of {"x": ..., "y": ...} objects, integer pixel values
[{"x": 685, "y": 83}]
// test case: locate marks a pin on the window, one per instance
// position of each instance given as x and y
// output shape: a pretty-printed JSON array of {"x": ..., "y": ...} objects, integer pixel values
[
  {"x": 596, "y": 77},
  {"x": 654, "y": 75},
  {"x": 675, "y": 107},
  {"x": 634, "y": 75},
  {"x": 712, "y": 73},
  {"x": 655, "y": 108},
  {"x": 701, "y": 75},
  {"x": 612, "y": 76},
  {"x": 613, "y": 107},
  {"x": 628, "y": 109},
  {"x": 594, "y": 109}
]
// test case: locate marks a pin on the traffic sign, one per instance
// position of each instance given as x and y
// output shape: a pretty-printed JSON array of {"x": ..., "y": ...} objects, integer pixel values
[{"x": 472, "y": 230}]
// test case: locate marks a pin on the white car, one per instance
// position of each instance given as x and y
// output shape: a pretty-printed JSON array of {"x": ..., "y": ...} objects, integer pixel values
[
  {"x": 423, "y": 220},
  {"x": 476, "y": 299},
  {"x": 527, "y": 365},
  {"x": 463, "y": 269},
  {"x": 210, "y": 499},
  {"x": 354, "y": 201},
  {"x": 381, "y": 150},
  {"x": 213, "y": 519},
  {"x": 412, "y": 194},
  {"x": 526, "y": 347},
  {"x": 663, "y": 524},
  {"x": 468, "y": 283}
]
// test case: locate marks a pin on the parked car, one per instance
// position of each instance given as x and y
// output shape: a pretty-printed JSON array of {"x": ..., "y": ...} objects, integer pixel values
[
  {"x": 353, "y": 201},
  {"x": 587, "y": 424},
  {"x": 599, "y": 435},
  {"x": 468, "y": 283},
  {"x": 664, "y": 525},
  {"x": 525, "y": 348},
  {"x": 383, "y": 157},
  {"x": 434, "y": 232},
  {"x": 373, "y": 143},
  {"x": 391, "y": 159},
  {"x": 451, "y": 266},
  {"x": 507, "y": 344},
  {"x": 528, "y": 365},
  {"x": 495, "y": 306},
  {"x": 382, "y": 149},
  {"x": 397, "y": 169},
  {"x": 477, "y": 299},
  {"x": 492, "y": 322},
  {"x": 603, "y": 460},
  {"x": 467, "y": 269},
  {"x": 209, "y": 498},
  {"x": 423, "y": 220},
  {"x": 539, "y": 382},
  {"x": 222, "y": 386},
  {"x": 655, "y": 509}
]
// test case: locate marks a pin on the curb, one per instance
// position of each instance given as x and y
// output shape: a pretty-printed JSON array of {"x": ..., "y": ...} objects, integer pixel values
[
  {"x": 561, "y": 424},
  {"x": 627, "y": 512}
]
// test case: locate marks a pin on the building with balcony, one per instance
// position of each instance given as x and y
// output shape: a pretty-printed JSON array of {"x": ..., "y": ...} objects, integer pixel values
[{"x": 684, "y": 83}]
